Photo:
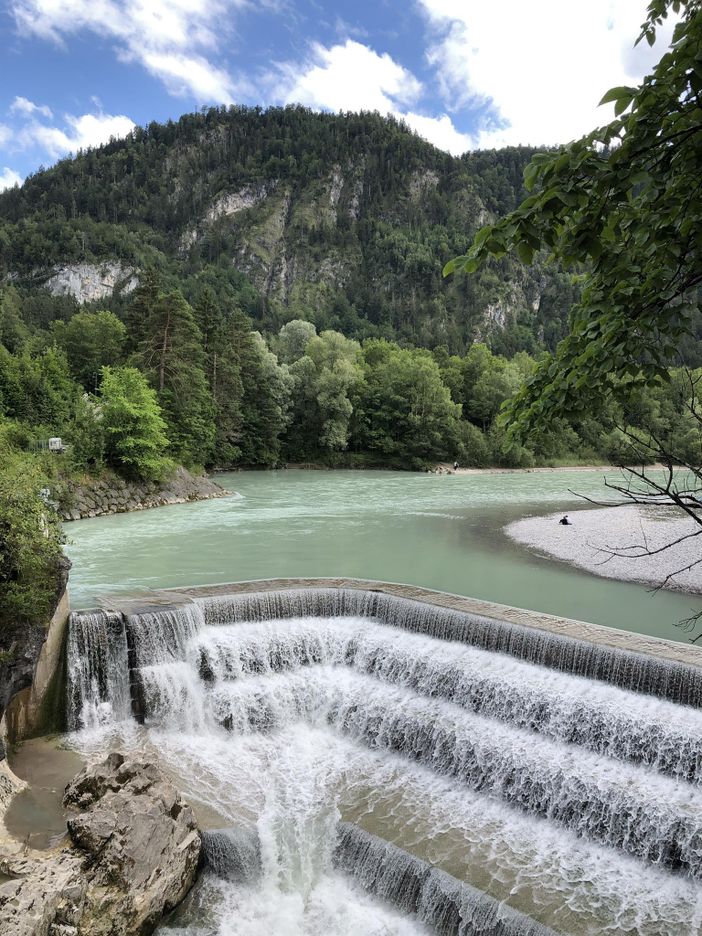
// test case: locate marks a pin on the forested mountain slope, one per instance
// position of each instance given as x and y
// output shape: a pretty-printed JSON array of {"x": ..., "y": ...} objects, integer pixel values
[{"x": 344, "y": 220}]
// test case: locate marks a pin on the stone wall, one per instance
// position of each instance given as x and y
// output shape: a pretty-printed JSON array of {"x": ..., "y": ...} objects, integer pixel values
[
  {"x": 39, "y": 706},
  {"x": 112, "y": 494},
  {"x": 22, "y": 645}
]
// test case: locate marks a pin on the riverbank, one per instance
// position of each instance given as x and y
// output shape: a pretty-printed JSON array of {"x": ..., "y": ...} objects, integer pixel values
[
  {"x": 111, "y": 494},
  {"x": 617, "y": 542},
  {"x": 449, "y": 469}
]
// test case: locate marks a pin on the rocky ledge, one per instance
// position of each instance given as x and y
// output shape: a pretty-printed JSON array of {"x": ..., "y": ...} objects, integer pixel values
[
  {"x": 113, "y": 494},
  {"x": 133, "y": 856}
]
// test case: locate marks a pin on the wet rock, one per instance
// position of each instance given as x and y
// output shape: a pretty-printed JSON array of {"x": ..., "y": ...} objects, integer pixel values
[{"x": 134, "y": 856}]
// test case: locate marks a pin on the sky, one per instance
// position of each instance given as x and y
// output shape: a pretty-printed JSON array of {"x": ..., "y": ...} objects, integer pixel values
[{"x": 464, "y": 74}]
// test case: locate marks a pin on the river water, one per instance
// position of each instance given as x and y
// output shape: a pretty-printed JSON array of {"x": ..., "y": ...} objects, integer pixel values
[{"x": 443, "y": 532}]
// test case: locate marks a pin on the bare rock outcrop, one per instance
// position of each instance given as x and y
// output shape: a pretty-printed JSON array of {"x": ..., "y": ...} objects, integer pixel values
[
  {"x": 87, "y": 282},
  {"x": 133, "y": 856}
]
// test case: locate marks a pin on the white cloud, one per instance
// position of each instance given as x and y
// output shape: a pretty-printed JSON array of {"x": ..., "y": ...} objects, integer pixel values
[
  {"x": 8, "y": 178},
  {"x": 440, "y": 131},
  {"x": 540, "y": 67},
  {"x": 81, "y": 132},
  {"x": 353, "y": 77},
  {"x": 172, "y": 39},
  {"x": 183, "y": 74},
  {"x": 22, "y": 105}
]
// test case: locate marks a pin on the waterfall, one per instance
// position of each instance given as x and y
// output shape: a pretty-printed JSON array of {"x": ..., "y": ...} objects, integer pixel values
[
  {"x": 412, "y": 885},
  {"x": 606, "y": 720},
  {"x": 481, "y": 777},
  {"x": 644, "y": 814},
  {"x": 450, "y": 906},
  {"x": 98, "y": 675},
  {"x": 635, "y": 671},
  {"x": 232, "y": 853}
]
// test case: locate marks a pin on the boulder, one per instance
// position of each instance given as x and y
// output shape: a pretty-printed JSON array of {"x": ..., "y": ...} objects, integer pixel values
[{"x": 133, "y": 857}]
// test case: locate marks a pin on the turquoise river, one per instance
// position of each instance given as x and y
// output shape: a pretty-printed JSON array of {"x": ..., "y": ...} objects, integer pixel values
[{"x": 439, "y": 531}]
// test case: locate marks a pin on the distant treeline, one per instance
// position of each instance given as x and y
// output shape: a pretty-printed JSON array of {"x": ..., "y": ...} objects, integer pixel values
[{"x": 173, "y": 382}]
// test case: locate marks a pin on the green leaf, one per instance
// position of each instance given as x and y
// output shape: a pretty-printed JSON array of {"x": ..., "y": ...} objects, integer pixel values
[
  {"x": 621, "y": 93},
  {"x": 525, "y": 252}
]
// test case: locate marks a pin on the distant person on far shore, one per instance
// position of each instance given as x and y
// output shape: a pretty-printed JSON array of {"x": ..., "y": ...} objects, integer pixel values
[
  {"x": 455, "y": 466},
  {"x": 564, "y": 521}
]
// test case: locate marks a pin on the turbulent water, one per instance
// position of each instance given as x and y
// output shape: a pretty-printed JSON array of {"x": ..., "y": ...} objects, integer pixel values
[{"x": 373, "y": 765}]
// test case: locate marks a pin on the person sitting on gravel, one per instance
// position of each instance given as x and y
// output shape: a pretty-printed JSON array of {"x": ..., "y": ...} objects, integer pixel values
[{"x": 564, "y": 521}]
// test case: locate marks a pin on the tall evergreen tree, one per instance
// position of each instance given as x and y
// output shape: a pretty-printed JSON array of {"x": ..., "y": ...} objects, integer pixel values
[
  {"x": 140, "y": 309},
  {"x": 172, "y": 357}
]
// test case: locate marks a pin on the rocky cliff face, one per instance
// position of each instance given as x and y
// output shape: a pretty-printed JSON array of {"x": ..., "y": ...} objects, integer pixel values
[
  {"x": 346, "y": 220},
  {"x": 133, "y": 856},
  {"x": 87, "y": 282}
]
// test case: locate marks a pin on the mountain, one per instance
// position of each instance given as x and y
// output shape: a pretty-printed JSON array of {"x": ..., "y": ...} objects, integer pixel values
[{"x": 345, "y": 220}]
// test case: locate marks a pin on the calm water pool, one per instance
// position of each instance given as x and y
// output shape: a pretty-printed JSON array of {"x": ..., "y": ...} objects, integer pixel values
[{"x": 443, "y": 532}]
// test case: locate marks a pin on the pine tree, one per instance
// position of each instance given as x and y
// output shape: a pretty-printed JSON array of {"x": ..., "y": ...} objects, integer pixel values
[
  {"x": 222, "y": 339},
  {"x": 172, "y": 357},
  {"x": 140, "y": 309}
]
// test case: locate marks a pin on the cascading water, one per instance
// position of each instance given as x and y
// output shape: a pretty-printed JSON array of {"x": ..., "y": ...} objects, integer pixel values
[
  {"x": 353, "y": 748},
  {"x": 98, "y": 675}
]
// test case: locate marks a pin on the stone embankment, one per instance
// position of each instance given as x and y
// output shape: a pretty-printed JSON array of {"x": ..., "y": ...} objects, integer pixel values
[
  {"x": 133, "y": 855},
  {"x": 112, "y": 494}
]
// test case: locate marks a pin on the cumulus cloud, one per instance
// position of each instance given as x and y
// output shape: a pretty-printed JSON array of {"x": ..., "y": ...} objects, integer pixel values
[
  {"x": 173, "y": 39},
  {"x": 22, "y": 105},
  {"x": 353, "y": 77},
  {"x": 440, "y": 131},
  {"x": 536, "y": 69},
  {"x": 80, "y": 133},
  {"x": 9, "y": 178}
]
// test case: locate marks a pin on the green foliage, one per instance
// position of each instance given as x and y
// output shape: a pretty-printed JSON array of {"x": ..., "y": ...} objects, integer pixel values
[
  {"x": 85, "y": 435},
  {"x": 36, "y": 389},
  {"x": 403, "y": 408},
  {"x": 13, "y": 331},
  {"x": 91, "y": 340},
  {"x": 265, "y": 402},
  {"x": 359, "y": 212},
  {"x": 30, "y": 540},
  {"x": 134, "y": 432},
  {"x": 625, "y": 201},
  {"x": 337, "y": 262},
  {"x": 172, "y": 357}
]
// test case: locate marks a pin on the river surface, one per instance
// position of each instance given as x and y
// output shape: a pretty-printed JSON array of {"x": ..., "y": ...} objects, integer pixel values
[{"x": 443, "y": 532}]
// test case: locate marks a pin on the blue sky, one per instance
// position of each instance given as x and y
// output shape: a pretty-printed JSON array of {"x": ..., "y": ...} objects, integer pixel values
[{"x": 463, "y": 73}]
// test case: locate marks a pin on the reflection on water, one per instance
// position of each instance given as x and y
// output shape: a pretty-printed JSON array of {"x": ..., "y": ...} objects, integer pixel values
[{"x": 442, "y": 532}]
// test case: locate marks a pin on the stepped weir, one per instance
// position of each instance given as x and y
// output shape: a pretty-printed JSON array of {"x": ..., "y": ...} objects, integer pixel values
[{"x": 438, "y": 769}]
